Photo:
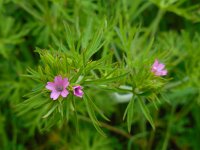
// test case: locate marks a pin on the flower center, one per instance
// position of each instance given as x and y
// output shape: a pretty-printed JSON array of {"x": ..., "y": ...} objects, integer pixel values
[
  {"x": 59, "y": 88},
  {"x": 77, "y": 90}
]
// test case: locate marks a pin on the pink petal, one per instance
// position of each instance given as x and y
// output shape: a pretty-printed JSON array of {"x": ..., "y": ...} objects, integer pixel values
[
  {"x": 55, "y": 95},
  {"x": 78, "y": 86},
  {"x": 58, "y": 80},
  {"x": 153, "y": 69},
  {"x": 161, "y": 73},
  {"x": 64, "y": 93},
  {"x": 156, "y": 63},
  {"x": 80, "y": 94},
  {"x": 160, "y": 67},
  {"x": 78, "y": 91},
  {"x": 164, "y": 72},
  {"x": 50, "y": 86},
  {"x": 65, "y": 82}
]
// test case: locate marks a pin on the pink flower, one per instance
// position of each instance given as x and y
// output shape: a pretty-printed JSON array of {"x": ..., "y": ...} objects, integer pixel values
[
  {"x": 158, "y": 69},
  {"x": 78, "y": 91},
  {"x": 58, "y": 87}
]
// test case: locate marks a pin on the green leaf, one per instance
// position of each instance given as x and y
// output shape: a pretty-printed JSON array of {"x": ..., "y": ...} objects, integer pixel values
[
  {"x": 92, "y": 115},
  {"x": 76, "y": 76},
  {"x": 67, "y": 107},
  {"x": 129, "y": 113},
  {"x": 146, "y": 112},
  {"x": 24, "y": 107},
  {"x": 50, "y": 111},
  {"x": 95, "y": 44},
  {"x": 70, "y": 37},
  {"x": 97, "y": 109},
  {"x": 103, "y": 81},
  {"x": 87, "y": 33},
  {"x": 76, "y": 121}
]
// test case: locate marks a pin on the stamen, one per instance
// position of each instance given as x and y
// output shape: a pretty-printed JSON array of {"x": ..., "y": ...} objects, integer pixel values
[{"x": 59, "y": 88}]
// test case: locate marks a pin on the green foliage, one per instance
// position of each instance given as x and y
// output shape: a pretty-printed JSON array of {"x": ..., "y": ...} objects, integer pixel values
[{"x": 107, "y": 47}]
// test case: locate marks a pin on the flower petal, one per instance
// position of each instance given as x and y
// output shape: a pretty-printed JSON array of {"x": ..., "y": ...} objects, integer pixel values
[
  {"x": 50, "y": 86},
  {"x": 164, "y": 72},
  {"x": 75, "y": 87},
  {"x": 58, "y": 80},
  {"x": 64, "y": 93},
  {"x": 156, "y": 63},
  {"x": 153, "y": 69},
  {"x": 160, "y": 67},
  {"x": 80, "y": 94},
  {"x": 65, "y": 82},
  {"x": 55, "y": 95},
  {"x": 78, "y": 91}
]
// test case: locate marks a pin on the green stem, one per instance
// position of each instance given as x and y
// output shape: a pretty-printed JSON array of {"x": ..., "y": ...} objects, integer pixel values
[
  {"x": 167, "y": 136},
  {"x": 107, "y": 126},
  {"x": 152, "y": 135},
  {"x": 156, "y": 22},
  {"x": 185, "y": 110}
]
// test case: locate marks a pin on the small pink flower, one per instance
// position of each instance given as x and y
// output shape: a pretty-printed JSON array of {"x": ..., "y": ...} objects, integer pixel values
[
  {"x": 158, "y": 68},
  {"x": 78, "y": 91},
  {"x": 58, "y": 87}
]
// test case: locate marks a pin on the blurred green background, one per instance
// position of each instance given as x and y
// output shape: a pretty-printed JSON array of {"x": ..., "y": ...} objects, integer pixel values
[{"x": 171, "y": 28}]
